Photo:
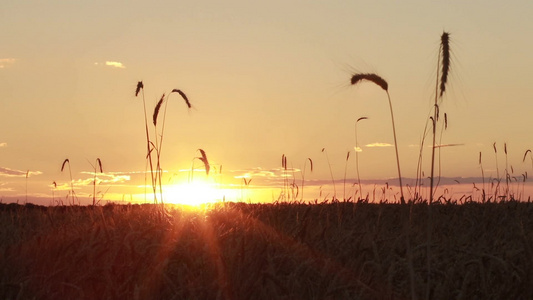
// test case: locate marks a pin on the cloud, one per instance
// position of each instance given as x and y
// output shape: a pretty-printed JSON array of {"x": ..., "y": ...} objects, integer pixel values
[
  {"x": 436, "y": 146},
  {"x": 448, "y": 145},
  {"x": 113, "y": 64},
  {"x": 104, "y": 178},
  {"x": 378, "y": 145},
  {"x": 358, "y": 149},
  {"x": 254, "y": 172},
  {"x": 3, "y": 145},
  {"x": 17, "y": 173},
  {"x": 4, "y": 62},
  {"x": 5, "y": 188}
]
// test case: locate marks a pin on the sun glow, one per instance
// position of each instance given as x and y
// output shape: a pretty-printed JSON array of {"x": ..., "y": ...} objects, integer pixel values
[{"x": 194, "y": 193}]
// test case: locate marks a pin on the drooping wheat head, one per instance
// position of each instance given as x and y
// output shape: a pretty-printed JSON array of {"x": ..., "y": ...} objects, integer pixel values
[
  {"x": 530, "y": 155},
  {"x": 205, "y": 161},
  {"x": 370, "y": 77},
  {"x": 182, "y": 94},
  {"x": 156, "y": 109}
]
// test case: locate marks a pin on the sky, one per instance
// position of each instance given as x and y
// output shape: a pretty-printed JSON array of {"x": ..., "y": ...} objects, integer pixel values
[{"x": 265, "y": 80}]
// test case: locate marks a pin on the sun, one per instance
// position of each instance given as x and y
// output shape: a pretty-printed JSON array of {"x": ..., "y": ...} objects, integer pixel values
[{"x": 193, "y": 193}]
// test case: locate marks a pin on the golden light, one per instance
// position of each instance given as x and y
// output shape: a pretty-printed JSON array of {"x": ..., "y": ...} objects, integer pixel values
[{"x": 194, "y": 193}]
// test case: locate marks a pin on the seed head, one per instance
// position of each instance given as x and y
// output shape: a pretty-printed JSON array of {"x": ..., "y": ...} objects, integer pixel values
[{"x": 370, "y": 77}]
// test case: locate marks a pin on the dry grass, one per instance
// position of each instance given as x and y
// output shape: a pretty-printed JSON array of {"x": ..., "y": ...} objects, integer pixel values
[{"x": 283, "y": 251}]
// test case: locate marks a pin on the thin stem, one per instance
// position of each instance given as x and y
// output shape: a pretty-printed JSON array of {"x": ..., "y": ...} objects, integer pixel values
[
  {"x": 331, "y": 173},
  {"x": 345, "y": 171},
  {"x": 402, "y": 199},
  {"x": 357, "y": 159},
  {"x": 149, "y": 152},
  {"x": 434, "y": 123},
  {"x": 94, "y": 187}
]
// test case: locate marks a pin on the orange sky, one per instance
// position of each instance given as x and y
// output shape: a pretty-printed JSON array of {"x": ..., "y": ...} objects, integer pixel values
[{"x": 265, "y": 80}]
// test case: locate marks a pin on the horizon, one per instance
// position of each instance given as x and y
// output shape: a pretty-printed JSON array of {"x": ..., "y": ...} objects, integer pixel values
[
  {"x": 264, "y": 83},
  {"x": 274, "y": 190}
]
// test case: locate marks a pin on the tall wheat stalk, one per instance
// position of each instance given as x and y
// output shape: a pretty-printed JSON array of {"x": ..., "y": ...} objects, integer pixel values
[
  {"x": 383, "y": 84},
  {"x": 159, "y": 146},
  {"x": 149, "y": 144},
  {"x": 157, "y": 173},
  {"x": 443, "y": 68}
]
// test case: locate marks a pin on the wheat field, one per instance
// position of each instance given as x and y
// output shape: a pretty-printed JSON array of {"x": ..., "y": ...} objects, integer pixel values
[{"x": 267, "y": 251}]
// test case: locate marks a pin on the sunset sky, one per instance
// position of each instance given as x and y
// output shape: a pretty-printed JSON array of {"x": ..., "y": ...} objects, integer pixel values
[{"x": 265, "y": 79}]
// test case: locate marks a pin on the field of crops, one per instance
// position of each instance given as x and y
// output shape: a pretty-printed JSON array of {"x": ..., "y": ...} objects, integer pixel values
[{"x": 268, "y": 251}]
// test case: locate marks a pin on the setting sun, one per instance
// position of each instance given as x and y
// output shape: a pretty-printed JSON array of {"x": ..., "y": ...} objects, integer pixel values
[{"x": 193, "y": 193}]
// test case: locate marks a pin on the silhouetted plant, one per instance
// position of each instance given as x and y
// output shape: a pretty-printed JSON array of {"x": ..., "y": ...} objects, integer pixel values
[
  {"x": 357, "y": 149},
  {"x": 157, "y": 144},
  {"x": 383, "y": 84},
  {"x": 72, "y": 193},
  {"x": 97, "y": 166}
]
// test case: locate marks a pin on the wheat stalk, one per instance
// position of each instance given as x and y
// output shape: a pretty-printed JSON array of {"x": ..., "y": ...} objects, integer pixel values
[
  {"x": 345, "y": 170},
  {"x": 331, "y": 173},
  {"x": 140, "y": 87},
  {"x": 303, "y": 174},
  {"x": 73, "y": 194},
  {"x": 97, "y": 166},
  {"x": 357, "y": 158},
  {"x": 160, "y": 144},
  {"x": 383, "y": 84},
  {"x": 443, "y": 62},
  {"x": 482, "y": 178}
]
